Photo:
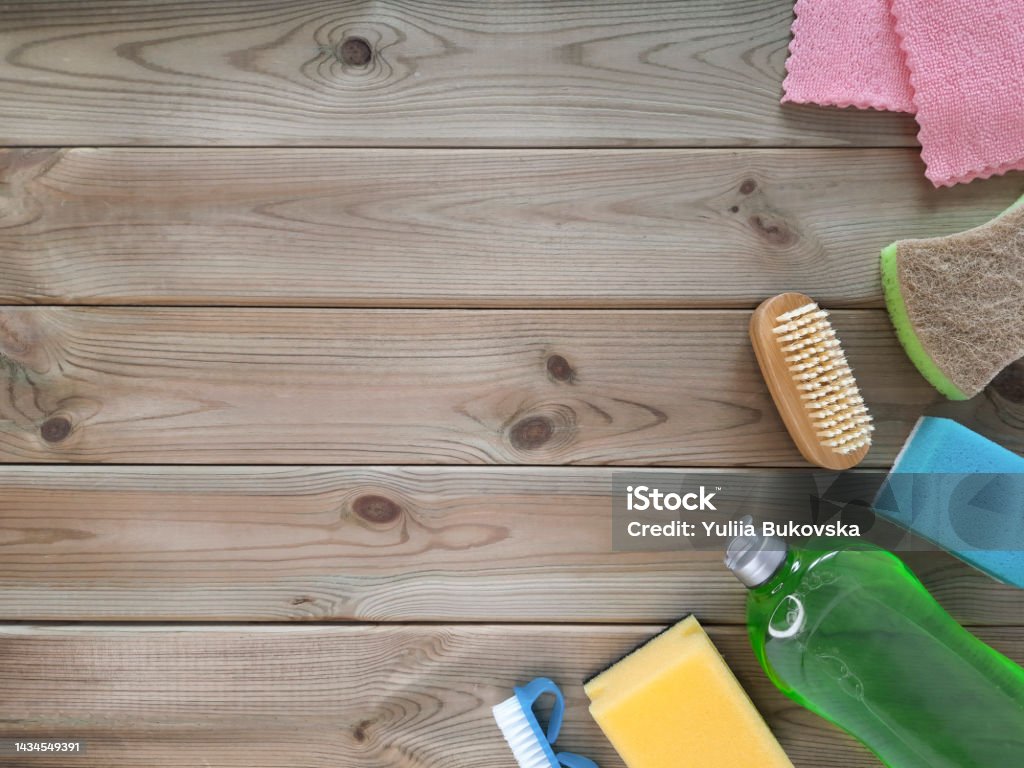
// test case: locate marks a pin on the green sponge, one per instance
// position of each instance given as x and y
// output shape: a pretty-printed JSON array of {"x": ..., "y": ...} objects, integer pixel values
[{"x": 956, "y": 302}]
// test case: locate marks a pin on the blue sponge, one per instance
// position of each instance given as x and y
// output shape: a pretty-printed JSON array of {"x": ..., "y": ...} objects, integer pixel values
[{"x": 962, "y": 492}]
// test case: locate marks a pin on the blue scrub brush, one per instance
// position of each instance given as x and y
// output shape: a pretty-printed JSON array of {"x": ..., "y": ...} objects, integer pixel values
[{"x": 531, "y": 746}]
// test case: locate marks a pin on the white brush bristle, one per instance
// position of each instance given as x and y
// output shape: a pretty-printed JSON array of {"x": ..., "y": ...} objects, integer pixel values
[
  {"x": 821, "y": 373},
  {"x": 527, "y": 751}
]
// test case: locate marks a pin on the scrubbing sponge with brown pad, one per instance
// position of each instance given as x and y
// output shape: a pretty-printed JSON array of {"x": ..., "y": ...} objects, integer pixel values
[{"x": 958, "y": 302}]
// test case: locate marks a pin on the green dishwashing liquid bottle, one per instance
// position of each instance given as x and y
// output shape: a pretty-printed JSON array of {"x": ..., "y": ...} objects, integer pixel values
[{"x": 848, "y": 631}]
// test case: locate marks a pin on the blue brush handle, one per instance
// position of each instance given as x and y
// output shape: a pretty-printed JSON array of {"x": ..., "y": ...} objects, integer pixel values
[{"x": 528, "y": 695}]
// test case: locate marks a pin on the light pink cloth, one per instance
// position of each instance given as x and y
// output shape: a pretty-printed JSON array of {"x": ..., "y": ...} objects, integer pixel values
[
  {"x": 957, "y": 64},
  {"x": 845, "y": 53}
]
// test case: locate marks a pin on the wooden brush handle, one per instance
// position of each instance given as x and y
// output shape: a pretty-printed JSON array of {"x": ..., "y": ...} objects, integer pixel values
[{"x": 783, "y": 388}]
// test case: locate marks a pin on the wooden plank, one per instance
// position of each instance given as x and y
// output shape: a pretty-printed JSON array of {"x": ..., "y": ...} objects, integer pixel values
[
  {"x": 373, "y": 543},
  {"x": 432, "y": 386},
  {"x": 341, "y": 696},
  {"x": 1001, "y": 411},
  {"x": 452, "y": 72},
  {"x": 435, "y": 228}
]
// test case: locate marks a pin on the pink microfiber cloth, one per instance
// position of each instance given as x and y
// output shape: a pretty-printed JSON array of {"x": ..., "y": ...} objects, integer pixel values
[
  {"x": 845, "y": 53},
  {"x": 957, "y": 64}
]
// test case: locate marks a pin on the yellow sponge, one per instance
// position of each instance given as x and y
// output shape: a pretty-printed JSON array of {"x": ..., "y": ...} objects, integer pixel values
[{"x": 673, "y": 702}]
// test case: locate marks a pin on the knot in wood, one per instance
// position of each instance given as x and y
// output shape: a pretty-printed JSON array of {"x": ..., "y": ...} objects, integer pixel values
[
  {"x": 559, "y": 368},
  {"x": 355, "y": 52},
  {"x": 531, "y": 433},
  {"x": 55, "y": 429},
  {"x": 375, "y": 509}
]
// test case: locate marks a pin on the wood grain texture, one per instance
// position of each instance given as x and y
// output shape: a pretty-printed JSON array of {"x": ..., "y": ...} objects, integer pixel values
[
  {"x": 376, "y": 543},
  {"x": 371, "y": 199},
  {"x": 342, "y": 696},
  {"x": 488, "y": 228},
  {"x": 432, "y": 386},
  {"x": 446, "y": 72}
]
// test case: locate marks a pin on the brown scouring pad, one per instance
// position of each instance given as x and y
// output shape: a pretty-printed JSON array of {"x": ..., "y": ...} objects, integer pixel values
[{"x": 958, "y": 302}]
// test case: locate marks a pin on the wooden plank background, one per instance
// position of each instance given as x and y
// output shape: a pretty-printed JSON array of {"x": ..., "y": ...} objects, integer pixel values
[
  {"x": 414, "y": 386},
  {"x": 442, "y": 72},
  {"x": 258, "y": 543},
  {"x": 317, "y": 358},
  {"x": 373, "y": 696},
  {"x": 454, "y": 228}
]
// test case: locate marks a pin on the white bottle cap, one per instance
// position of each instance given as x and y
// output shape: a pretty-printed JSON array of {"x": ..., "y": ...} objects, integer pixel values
[{"x": 755, "y": 559}]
